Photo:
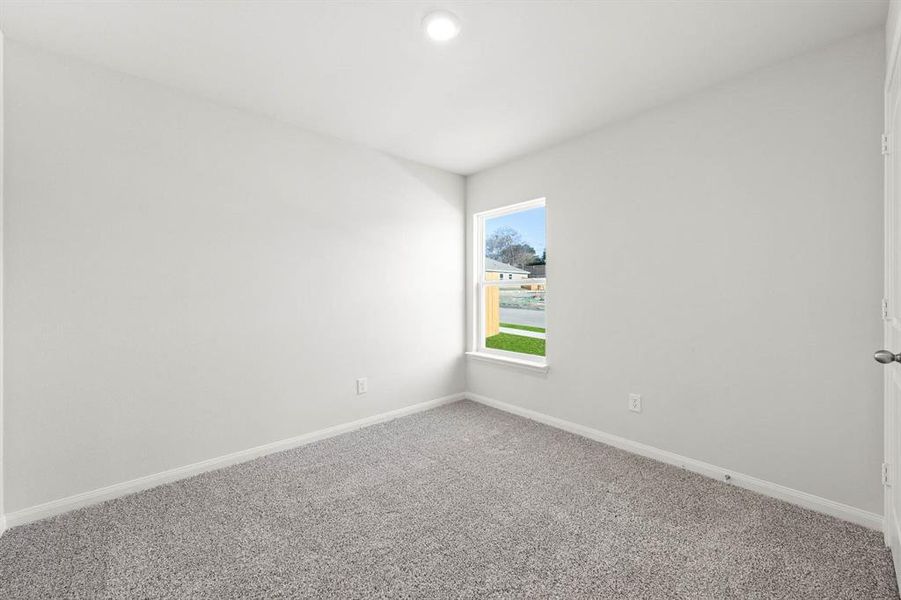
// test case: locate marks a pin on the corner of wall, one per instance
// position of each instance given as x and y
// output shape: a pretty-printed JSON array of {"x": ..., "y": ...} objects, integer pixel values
[
  {"x": 467, "y": 181},
  {"x": 2, "y": 254}
]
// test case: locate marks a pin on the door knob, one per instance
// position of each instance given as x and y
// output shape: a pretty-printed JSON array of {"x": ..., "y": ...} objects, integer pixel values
[{"x": 885, "y": 357}]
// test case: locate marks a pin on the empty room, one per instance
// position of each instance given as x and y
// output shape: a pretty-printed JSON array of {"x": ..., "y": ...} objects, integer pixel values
[{"x": 592, "y": 299}]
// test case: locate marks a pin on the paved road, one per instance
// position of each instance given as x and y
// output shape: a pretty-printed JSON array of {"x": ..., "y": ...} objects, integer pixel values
[{"x": 522, "y": 316}]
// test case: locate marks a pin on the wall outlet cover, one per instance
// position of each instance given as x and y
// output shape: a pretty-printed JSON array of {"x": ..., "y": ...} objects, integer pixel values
[{"x": 635, "y": 402}]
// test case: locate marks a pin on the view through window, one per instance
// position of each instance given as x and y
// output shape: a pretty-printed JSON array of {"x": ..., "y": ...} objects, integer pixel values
[{"x": 513, "y": 281}]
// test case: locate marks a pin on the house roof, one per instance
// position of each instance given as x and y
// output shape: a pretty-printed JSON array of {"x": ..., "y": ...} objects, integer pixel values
[{"x": 496, "y": 266}]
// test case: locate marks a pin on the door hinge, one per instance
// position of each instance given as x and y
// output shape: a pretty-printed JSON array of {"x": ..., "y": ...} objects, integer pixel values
[
  {"x": 886, "y": 144},
  {"x": 885, "y": 474},
  {"x": 885, "y": 309}
]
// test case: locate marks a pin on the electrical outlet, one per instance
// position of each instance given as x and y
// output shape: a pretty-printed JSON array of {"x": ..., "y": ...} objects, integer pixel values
[
  {"x": 362, "y": 386},
  {"x": 635, "y": 402}
]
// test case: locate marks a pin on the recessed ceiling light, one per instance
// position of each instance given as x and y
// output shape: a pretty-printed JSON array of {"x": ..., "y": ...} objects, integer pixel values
[{"x": 441, "y": 26}]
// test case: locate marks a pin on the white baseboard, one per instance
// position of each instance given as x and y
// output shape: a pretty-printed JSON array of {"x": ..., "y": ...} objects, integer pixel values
[
  {"x": 803, "y": 499},
  {"x": 55, "y": 507},
  {"x": 767, "y": 488}
]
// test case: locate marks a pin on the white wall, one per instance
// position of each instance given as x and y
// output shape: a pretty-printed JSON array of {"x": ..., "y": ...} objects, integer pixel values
[
  {"x": 892, "y": 25},
  {"x": 734, "y": 246},
  {"x": 185, "y": 280},
  {"x": 2, "y": 512}
]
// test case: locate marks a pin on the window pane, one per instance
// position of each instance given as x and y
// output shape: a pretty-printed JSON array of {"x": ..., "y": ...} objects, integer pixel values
[
  {"x": 514, "y": 318},
  {"x": 515, "y": 245}
]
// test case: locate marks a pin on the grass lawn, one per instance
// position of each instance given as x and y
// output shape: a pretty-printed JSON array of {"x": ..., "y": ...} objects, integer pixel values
[
  {"x": 524, "y": 327},
  {"x": 516, "y": 343}
]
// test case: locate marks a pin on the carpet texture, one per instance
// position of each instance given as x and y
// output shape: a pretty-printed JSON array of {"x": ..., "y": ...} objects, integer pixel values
[{"x": 462, "y": 501}]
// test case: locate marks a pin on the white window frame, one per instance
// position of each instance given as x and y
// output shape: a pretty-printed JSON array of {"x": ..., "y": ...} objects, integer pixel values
[{"x": 478, "y": 350}]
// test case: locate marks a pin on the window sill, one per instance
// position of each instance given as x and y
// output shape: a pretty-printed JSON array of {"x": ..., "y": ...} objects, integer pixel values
[{"x": 519, "y": 363}]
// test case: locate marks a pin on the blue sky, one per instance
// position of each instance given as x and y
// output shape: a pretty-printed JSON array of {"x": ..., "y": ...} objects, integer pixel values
[{"x": 529, "y": 223}]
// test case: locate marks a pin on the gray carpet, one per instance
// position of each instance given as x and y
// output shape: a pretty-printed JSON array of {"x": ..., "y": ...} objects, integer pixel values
[{"x": 459, "y": 502}]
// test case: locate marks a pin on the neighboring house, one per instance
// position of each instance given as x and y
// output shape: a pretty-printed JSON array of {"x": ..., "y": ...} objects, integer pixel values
[
  {"x": 495, "y": 269},
  {"x": 536, "y": 271}
]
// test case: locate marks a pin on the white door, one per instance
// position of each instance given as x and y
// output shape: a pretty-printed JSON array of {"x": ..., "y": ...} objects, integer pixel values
[{"x": 892, "y": 309}]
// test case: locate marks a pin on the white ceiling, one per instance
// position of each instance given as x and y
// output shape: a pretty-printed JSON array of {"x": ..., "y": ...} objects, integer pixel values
[{"x": 521, "y": 75}]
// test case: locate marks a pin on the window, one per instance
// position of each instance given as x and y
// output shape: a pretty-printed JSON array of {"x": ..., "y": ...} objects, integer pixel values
[{"x": 510, "y": 315}]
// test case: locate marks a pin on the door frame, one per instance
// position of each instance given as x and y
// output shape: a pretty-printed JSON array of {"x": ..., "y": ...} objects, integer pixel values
[{"x": 891, "y": 303}]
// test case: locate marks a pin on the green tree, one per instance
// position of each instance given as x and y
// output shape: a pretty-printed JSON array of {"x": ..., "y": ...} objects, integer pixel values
[{"x": 540, "y": 260}]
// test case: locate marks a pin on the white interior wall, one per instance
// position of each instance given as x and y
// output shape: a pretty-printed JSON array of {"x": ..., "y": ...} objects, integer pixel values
[
  {"x": 721, "y": 256},
  {"x": 2, "y": 254},
  {"x": 185, "y": 280},
  {"x": 729, "y": 246}
]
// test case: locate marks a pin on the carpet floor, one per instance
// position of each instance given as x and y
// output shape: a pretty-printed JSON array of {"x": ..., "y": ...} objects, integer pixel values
[{"x": 462, "y": 501}]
